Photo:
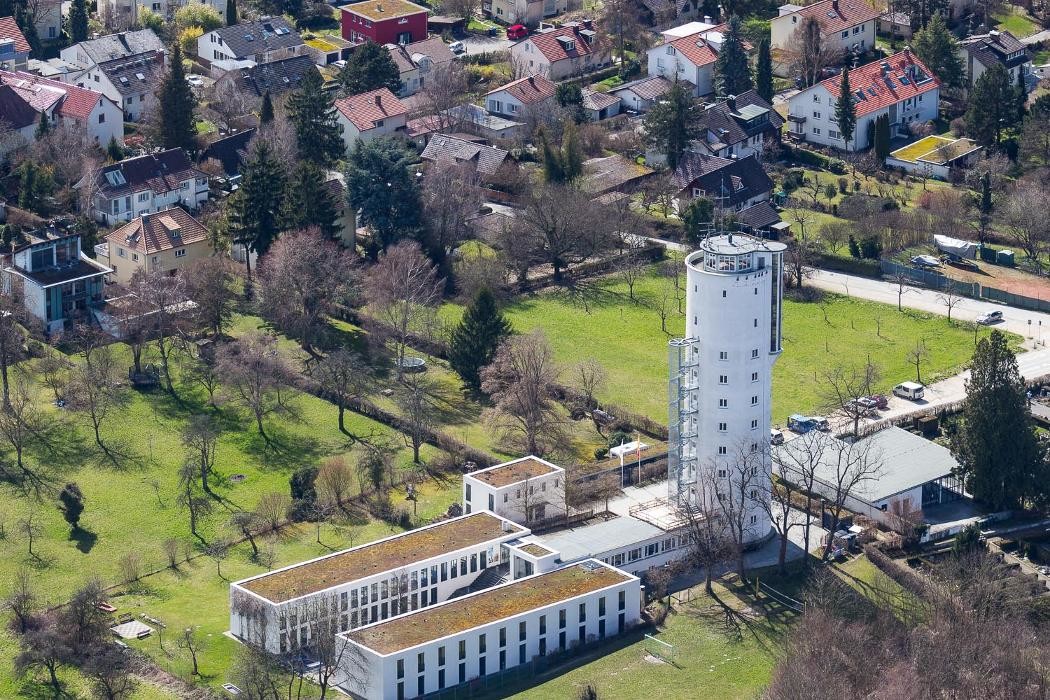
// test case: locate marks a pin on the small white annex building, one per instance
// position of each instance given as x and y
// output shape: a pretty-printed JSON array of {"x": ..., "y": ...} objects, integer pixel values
[{"x": 522, "y": 490}]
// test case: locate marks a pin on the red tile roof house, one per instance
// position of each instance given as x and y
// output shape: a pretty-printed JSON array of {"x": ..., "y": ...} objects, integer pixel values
[
  {"x": 69, "y": 105},
  {"x": 517, "y": 97},
  {"x": 14, "y": 49},
  {"x": 846, "y": 24},
  {"x": 384, "y": 22},
  {"x": 369, "y": 115},
  {"x": 900, "y": 86},
  {"x": 572, "y": 49},
  {"x": 690, "y": 58}
]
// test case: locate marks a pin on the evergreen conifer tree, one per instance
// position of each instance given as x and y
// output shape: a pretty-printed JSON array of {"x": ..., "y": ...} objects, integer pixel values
[
  {"x": 266, "y": 111},
  {"x": 26, "y": 21},
  {"x": 71, "y": 503},
  {"x": 882, "y": 137},
  {"x": 42, "y": 126},
  {"x": 308, "y": 201},
  {"x": 177, "y": 104},
  {"x": 78, "y": 21},
  {"x": 552, "y": 166},
  {"x": 1020, "y": 99},
  {"x": 392, "y": 212},
  {"x": 571, "y": 153},
  {"x": 732, "y": 71},
  {"x": 991, "y": 106},
  {"x": 113, "y": 150},
  {"x": 370, "y": 67},
  {"x": 254, "y": 210},
  {"x": 999, "y": 455},
  {"x": 231, "y": 13},
  {"x": 764, "y": 71},
  {"x": 475, "y": 340},
  {"x": 672, "y": 123},
  {"x": 937, "y": 49},
  {"x": 845, "y": 109},
  {"x": 311, "y": 111}
]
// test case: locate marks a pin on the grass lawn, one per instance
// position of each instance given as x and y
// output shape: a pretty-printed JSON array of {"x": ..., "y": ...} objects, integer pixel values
[
  {"x": 598, "y": 320},
  {"x": 1015, "y": 21}
]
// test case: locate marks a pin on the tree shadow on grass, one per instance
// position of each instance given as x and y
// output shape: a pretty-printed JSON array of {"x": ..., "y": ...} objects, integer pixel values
[
  {"x": 85, "y": 539},
  {"x": 282, "y": 449},
  {"x": 33, "y": 689}
]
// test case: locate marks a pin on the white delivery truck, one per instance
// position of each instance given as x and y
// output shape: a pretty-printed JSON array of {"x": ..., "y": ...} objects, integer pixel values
[{"x": 912, "y": 391}]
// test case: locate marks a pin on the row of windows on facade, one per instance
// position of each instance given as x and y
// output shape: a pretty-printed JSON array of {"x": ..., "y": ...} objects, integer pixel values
[
  {"x": 482, "y": 641},
  {"x": 146, "y": 196},
  {"x": 650, "y": 550},
  {"x": 723, "y": 450},
  {"x": 180, "y": 253}
]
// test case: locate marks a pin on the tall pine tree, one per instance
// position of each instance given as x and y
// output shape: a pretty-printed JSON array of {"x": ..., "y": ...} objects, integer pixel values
[
  {"x": 42, "y": 127},
  {"x": 672, "y": 123},
  {"x": 308, "y": 201},
  {"x": 999, "y": 455},
  {"x": 474, "y": 341},
  {"x": 266, "y": 111},
  {"x": 937, "y": 49},
  {"x": 380, "y": 185},
  {"x": 311, "y": 111},
  {"x": 845, "y": 110},
  {"x": 764, "y": 71},
  {"x": 882, "y": 137},
  {"x": 177, "y": 104},
  {"x": 1020, "y": 98},
  {"x": 78, "y": 21},
  {"x": 732, "y": 71},
  {"x": 254, "y": 210},
  {"x": 991, "y": 106},
  {"x": 231, "y": 13}
]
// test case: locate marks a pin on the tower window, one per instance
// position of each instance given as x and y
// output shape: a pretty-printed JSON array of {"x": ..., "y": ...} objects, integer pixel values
[
  {"x": 754, "y": 424},
  {"x": 754, "y": 400},
  {"x": 723, "y": 294},
  {"x": 723, "y": 355},
  {"x": 722, "y": 427},
  {"x": 723, "y": 379},
  {"x": 754, "y": 376},
  {"x": 756, "y": 323},
  {"x": 722, "y": 450},
  {"x": 723, "y": 403},
  {"x": 754, "y": 353}
]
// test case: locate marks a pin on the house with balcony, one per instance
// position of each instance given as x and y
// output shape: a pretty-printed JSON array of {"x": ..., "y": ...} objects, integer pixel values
[
  {"x": 516, "y": 98},
  {"x": 980, "y": 52},
  {"x": 899, "y": 86},
  {"x": 90, "y": 53},
  {"x": 739, "y": 125},
  {"x": 128, "y": 81},
  {"x": 527, "y": 12},
  {"x": 384, "y": 22},
  {"x": 78, "y": 108},
  {"x": 262, "y": 41},
  {"x": 689, "y": 57},
  {"x": 166, "y": 242},
  {"x": 558, "y": 53},
  {"x": 846, "y": 25},
  {"x": 370, "y": 115},
  {"x": 732, "y": 184},
  {"x": 145, "y": 185},
  {"x": 14, "y": 48},
  {"x": 418, "y": 60},
  {"x": 52, "y": 278}
]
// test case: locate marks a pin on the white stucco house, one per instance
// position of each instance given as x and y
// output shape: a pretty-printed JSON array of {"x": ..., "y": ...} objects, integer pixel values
[
  {"x": 369, "y": 115},
  {"x": 848, "y": 25},
  {"x": 517, "y": 97}
]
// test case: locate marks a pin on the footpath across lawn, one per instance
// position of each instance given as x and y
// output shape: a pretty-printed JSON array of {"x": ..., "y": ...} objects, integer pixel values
[{"x": 598, "y": 319}]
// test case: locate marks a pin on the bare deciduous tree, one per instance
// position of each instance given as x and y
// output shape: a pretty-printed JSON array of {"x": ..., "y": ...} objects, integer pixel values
[
  {"x": 209, "y": 283},
  {"x": 950, "y": 297},
  {"x": 230, "y": 103},
  {"x": 344, "y": 376},
  {"x": 417, "y": 409},
  {"x": 451, "y": 194},
  {"x": 563, "y": 225},
  {"x": 272, "y": 508},
  {"x": 1024, "y": 217},
  {"x": 808, "y": 54},
  {"x": 799, "y": 462},
  {"x": 335, "y": 480},
  {"x": 710, "y": 547},
  {"x": 255, "y": 373},
  {"x": 916, "y": 356},
  {"x": 845, "y": 387},
  {"x": 200, "y": 437},
  {"x": 96, "y": 390}
]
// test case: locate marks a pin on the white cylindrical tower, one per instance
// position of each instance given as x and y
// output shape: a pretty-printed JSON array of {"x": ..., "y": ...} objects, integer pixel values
[{"x": 721, "y": 380}]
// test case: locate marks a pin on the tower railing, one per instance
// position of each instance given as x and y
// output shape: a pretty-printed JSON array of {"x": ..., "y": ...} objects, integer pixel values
[{"x": 683, "y": 402}]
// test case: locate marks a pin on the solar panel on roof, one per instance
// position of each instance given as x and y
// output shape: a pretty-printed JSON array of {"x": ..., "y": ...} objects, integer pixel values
[{"x": 140, "y": 76}]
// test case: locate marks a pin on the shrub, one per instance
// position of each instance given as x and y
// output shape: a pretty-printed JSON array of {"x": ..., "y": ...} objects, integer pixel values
[
  {"x": 837, "y": 166},
  {"x": 843, "y": 185},
  {"x": 601, "y": 452},
  {"x": 618, "y": 437},
  {"x": 871, "y": 248},
  {"x": 854, "y": 247}
]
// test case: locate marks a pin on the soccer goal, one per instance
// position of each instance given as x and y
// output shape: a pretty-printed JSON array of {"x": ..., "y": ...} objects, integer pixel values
[{"x": 659, "y": 648}]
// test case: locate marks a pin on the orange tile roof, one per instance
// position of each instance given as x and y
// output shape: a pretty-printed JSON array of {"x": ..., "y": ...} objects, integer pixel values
[
  {"x": 41, "y": 93},
  {"x": 366, "y": 109},
  {"x": 9, "y": 30},
  {"x": 697, "y": 48},
  {"x": 905, "y": 77},
  {"x": 153, "y": 233},
  {"x": 547, "y": 43},
  {"x": 837, "y": 15},
  {"x": 530, "y": 90}
]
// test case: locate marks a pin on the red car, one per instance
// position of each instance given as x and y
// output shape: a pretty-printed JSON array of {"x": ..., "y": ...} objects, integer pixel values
[{"x": 517, "y": 31}]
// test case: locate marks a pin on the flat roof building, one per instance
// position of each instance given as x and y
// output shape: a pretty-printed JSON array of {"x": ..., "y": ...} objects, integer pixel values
[
  {"x": 523, "y": 490},
  {"x": 430, "y": 650},
  {"x": 371, "y": 582}
]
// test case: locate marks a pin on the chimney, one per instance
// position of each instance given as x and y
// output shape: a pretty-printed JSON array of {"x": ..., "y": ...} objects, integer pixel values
[
  {"x": 379, "y": 100},
  {"x": 588, "y": 24},
  {"x": 731, "y": 102},
  {"x": 835, "y": 5},
  {"x": 532, "y": 80}
]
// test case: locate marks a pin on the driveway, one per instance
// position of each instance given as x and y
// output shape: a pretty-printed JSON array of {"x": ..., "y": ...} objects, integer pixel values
[{"x": 480, "y": 43}]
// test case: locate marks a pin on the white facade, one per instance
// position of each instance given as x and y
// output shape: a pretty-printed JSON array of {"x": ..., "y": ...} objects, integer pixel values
[
  {"x": 391, "y": 126},
  {"x": 503, "y": 103},
  {"x": 722, "y": 377},
  {"x": 667, "y": 61},
  {"x": 857, "y": 36},
  {"x": 279, "y": 623},
  {"x": 522, "y": 490},
  {"x": 495, "y": 643},
  {"x": 47, "y": 19},
  {"x": 191, "y": 193}
]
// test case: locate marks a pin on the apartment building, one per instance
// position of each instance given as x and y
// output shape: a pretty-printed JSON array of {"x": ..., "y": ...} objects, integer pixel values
[
  {"x": 487, "y": 632},
  {"x": 529, "y": 12},
  {"x": 369, "y": 583},
  {"x": 384, "y": 22},
  {"x": 522, "y": 490},
  {"x": 144, "y": 185}
]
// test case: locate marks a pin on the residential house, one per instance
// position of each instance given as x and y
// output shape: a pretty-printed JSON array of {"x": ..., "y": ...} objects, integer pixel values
[
  {"x": 55, "y": 281},
  {"x": 468, "y": 118},
  {"x": 69, "y": 105},
  {"x": 762, "y": 220},
  {"x": 658, "y": 12},
  {"x": 18, "y": 116},
  {"x": 327, "y": 49},
  {"x": 896, "y": 25},
  {"x": 899, "y": 86},
  {"x": 165, "y": 241},
  {"x": 370, "y": 115},
  {"x": 613, "y": 173},
  {"x": 47, "y": 19},
  {"x": 562, "y": 52},
  {"x": 733, "y": 184},
  {"x": 486, "y": 632},
  {"x": 90, "y": 53},
  {"x": 487, "y": 161},
  {"x": 228, "y": 152},
  {"x": 935, "y": 156},
  {"x": 417, "y": 60},
  {"x": 262, "y": 41},
  {"x": 690, "y": 58},
  {"x": 518, "y": 97},
  {"x": 144, "y": 185},
  {"x": 14, "y": 48},
  {"x": 739, "y": 126},
  {"x": 528, "y": 12},
  {"x": 275, "y": 77},
  {"x": 600, "y": 105},
  {"x": 128, "y": 81},
  {"x": 846, "y": 25},
  {"x": 982, "y": 51},
  {"x": 640, "y": 95},
  {"x": 384, "y": 22},
  {"x": 368, "y": 583}
]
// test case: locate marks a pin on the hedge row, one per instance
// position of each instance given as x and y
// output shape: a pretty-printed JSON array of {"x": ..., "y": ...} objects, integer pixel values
[
  {"x": 852, "y": 266},
  {"x": 905, "y": 576}
]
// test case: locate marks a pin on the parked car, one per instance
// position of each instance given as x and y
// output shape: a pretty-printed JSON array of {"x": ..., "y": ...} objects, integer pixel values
[
  {"x": 517, "y": 31},
  {"x": 800, "y": 424},
  {"x": 913, "y": 391},
  {"x": 925, "y": 261},
  {"x": 195, "y": 80},
  {"x": 881, "y": 402},
  {"x": 990, "y": 318},
  {"x": 231, "y": 689},
  {"x": 457, "y": 47},
  {"x": 776, "y": 437}
]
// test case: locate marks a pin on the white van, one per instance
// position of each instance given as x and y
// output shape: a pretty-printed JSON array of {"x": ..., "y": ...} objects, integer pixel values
[{"x": 909, "y": 390}]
